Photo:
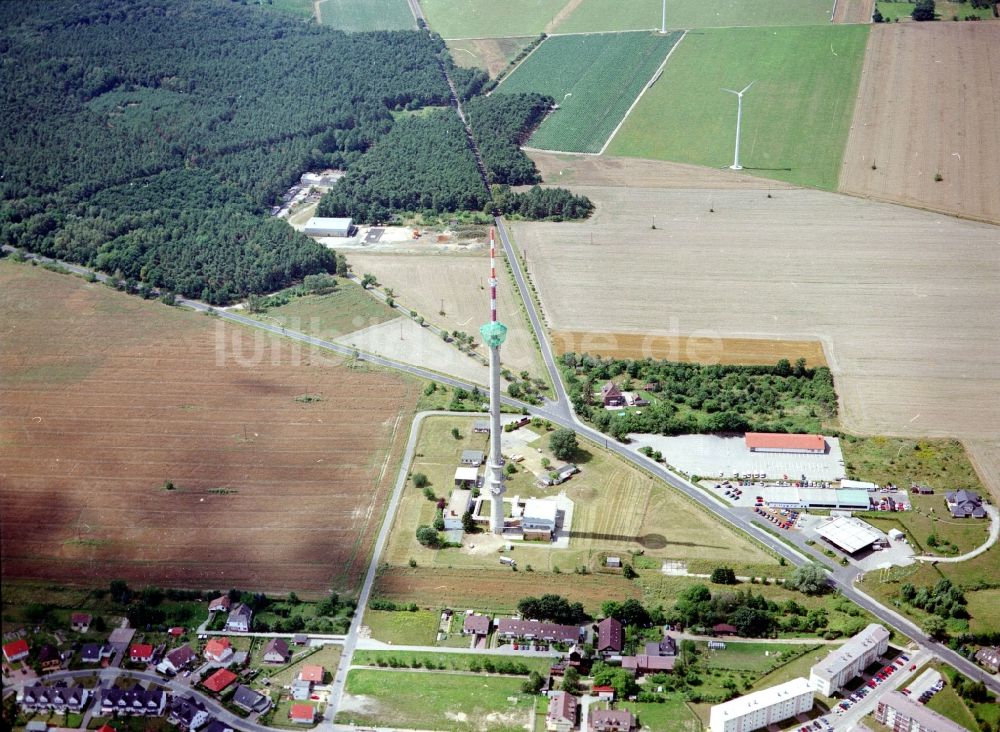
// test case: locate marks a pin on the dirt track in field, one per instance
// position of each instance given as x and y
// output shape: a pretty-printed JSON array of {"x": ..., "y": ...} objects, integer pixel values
[
  {"x": 853, "y": 11},
  {"x": 687, "y": 350},
  {"x": 905, "y": 301},
  {"x": 105, "y": 397},
  {"x": 929, "y": 104},
  {"x": 422, "y": 281}
]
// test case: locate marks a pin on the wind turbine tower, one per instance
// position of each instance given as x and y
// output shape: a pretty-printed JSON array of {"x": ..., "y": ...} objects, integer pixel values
[
  {"x": 739, "y": 119},
  {"x": 494, "y": 333},
  {"x": 663, "y": 24}
]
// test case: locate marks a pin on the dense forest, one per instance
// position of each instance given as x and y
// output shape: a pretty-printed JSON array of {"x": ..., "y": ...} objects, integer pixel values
[
  {"x": 500, "y": 124},
  {"x": 149, "y": 135},
  {"x": 691, "y": 398}
]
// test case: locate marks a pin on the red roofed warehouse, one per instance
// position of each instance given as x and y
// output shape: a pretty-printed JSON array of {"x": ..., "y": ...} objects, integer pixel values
[
  {"x": 140, "y": 653},
  {"x": 219, "y": 680},
  {"x": 775, "y": 442},
  {"x": 302, "y": 713},
  {"x": 16, "y": 650}
]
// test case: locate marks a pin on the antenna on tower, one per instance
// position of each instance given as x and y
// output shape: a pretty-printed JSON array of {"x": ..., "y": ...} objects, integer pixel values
[
  {"x": 494, "y": 332},
  {"x": 739, "y": 119}
]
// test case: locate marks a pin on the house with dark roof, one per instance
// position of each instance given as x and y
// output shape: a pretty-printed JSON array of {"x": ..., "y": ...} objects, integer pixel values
[
  {"x": 989, "y": 658},
  {"x": 472, "y": 457},
  {"x": 219, "y": 680},
  {"x": 249, "y": 700},
  {"x": 219, "y": 604},
  {"x": 611, "y": 395},
  {"x": 643, "y": 664},
  {"x": 965, "y": 504},
  {"x": 179, "y": 658},
  {"x": 217, "y": 725},
  {"x": 666, "y": 647},
  {"x": 80, "y": 622},
  {"x": 561, "y": 715},
  {"x": 536, "y": 630},
  {"x": 95, "y": 652},
  {"x": 135, "y": 701},
  {"x": 723, "y": 629},
  {"x": 16, "y": 650},
  {"x": 611, "y": 720},
  {"x": 49, "y": 658},
  {"x": 276, "y": 651},
  {"x": 188, "y": 712},
  {"x": 300, "y": 639},
  {"x": 240, "y": 619},
  {"x": 39, "y": 698},
  {"x": 476, "y": 625},
  {"x": 610, "y": 637}
]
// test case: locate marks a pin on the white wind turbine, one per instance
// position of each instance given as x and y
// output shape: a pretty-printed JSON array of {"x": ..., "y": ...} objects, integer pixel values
[{"x": 739, "y": 119}]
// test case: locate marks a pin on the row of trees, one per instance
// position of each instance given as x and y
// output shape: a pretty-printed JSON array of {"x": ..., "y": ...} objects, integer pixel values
[{"x": 553, "y": 608}]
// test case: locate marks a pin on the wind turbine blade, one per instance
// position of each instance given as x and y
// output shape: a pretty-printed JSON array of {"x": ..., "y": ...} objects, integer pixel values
[
  {"x": 731, "y": 91},
  {"x": 748, "y": 86}
]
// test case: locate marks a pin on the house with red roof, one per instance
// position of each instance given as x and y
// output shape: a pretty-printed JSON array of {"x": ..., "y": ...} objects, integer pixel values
[
  {"x": 219, "y": 680},
  {"x": 80, "y": 622},
  {"x": 603, "y": 693},
  {"x": 140, "y": 653},
  {"x": 219, "y": 650},
  {"x": 106, "y": 728},
  {"x": 312, "y": 674},
  {"x": 16, "y": 650},
  {"x": 176, "y": 631},
  {"x": 302, "y": 713},
  {"x": 219, "y": 604}
]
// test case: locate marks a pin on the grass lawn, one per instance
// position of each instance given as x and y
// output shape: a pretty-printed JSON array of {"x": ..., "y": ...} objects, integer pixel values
[
  {"x": 941, "y": 464},
  {"x": 949, "y": 704},
  {"x": 370, "y": 15},
  {"x": 279, "y": 717},
  {"x": 489, "y": 19},
  {"x": 393, "y": 698},
  {"x": 594, "y": 80},
  {"x": 484, "y": 53},
  {"x": 403, "y": 627},
  {"x": 944, "y": 10},
  {"x": 452, "y": 661},
  {"x": 757, "y": 657},
  {"x": 984, "y": 607},
  {"x": 673, "y": 714},
  {"x": 593, "y": 16},
  {"x": 328, "y": 657},
  {"x": 348, "y": 309},
  {"x": 795, "y": 118}
]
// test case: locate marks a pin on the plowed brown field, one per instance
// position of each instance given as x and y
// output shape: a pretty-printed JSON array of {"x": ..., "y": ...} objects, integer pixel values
[
  {"x": 929, "y": 104},
  {"x": 686, "y": 349},
  {"x": 853, "y": 11},
  {"x": 104, "y": 397}
]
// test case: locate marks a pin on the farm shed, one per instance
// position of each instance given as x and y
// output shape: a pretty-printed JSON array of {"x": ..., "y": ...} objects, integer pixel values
[
  {"x": 481, "y": 426},
  {"x": 318, "y": 226},
  {"x": 472, "y": 457},
  {"x": 850, "y": 534},
  {"x": 859, "y": 485},
  {"x": 466, "y": 477},
  {"x": 539, "y": 516},
  {"x": 768, "y": 442},
  {"x": 458, "y": 504}
]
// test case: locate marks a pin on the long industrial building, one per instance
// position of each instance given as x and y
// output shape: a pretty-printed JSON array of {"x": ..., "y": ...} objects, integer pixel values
[
  {"x": 780, "y": 496},
  {"x": 900, "y": 713},
  {"x": 768, "y": 706},
  {"x": 843, "y": 664}
]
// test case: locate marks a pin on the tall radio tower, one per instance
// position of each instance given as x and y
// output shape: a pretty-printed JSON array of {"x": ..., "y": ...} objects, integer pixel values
[{"x": 494, "y": 333}]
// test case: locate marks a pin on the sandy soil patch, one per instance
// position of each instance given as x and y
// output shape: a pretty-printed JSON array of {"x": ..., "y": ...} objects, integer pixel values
[
  {"x": 685, "y": 349},
  {"x": 492, "y": 54},
  {"x": 404, "y": 340},
  {"x": 985, "y": 457},
  {"x": 905, "y": 301},
  {"x": 422, "y": 282},
  {"x": 576, "y": 170},
  {"x": 853, "y": 11},
  {"x": 105, "y": 397},
  {"x": 929, "y": 104}
]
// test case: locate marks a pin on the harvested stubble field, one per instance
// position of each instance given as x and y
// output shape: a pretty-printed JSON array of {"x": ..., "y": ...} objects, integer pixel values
[
  {"x": 593, "y": 16},
  {"x": 929, "y": 104},
  {"x": 909, "y": 325},
  {"x": 422, "y": 281},
  {"x": 493, "y": 55},
  {"x": 685, "y": 349},
  {"x": 279, "y": 477},
  {"x": 490, "y": 19},
  {"x": 795, "y": 118},
  {"x": 594, "y": 79},
  {"x": 853, "y": 11}
]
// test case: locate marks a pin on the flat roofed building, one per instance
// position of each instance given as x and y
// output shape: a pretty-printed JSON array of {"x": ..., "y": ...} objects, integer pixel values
[
  {"x": 778, "y": 442},
  {"x": 846, "y": 662},
  {"x": 539, "y": 516},
  {"x": 762, "y": 708},
  {"x": 899, "y": 712},
  {"x": 466, "y": 477},
  {"x": 319, "y": 226},
  {"x": 780, "y": 496},
  {"x": 458, "y": 504},
  {"x": 861, "y": 485},
  {"x": 850, "y": 534}
]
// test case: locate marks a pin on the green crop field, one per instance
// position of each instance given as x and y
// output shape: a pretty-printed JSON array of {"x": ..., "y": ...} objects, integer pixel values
[
  {"x": 430, "y": 700},
  {"x": 489, "y": 19},
  {"x": 370, "y": 15},
  {"x": 795, "y": 118},
  {"x": 593, "y": 78},
  {"x": 593, "y": 16}
]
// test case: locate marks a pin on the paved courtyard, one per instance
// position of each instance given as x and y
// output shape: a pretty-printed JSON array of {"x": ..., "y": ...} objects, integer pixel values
[{"x": 713, "y": 456}]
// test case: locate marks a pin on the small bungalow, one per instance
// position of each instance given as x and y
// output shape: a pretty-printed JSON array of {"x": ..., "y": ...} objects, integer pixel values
[
  {"x": 466, "y": 477},
  {"x": 16, "y": 650},
  {"x": 219, "y": 680},
  {"x": 481, "y": 426},
  {"x": 724, "y": 629},
  {"x": 301, "y": 689},
  {"x": 302, "y": 713},
  {"x": 989, "y": 658},
  {"x": 219, "y": 604},
  {"x": 611, "y": 395},
  {"x": 249, "y": 700},
  {"x": 603, "y": 693},
  {"x": 140, "y": 653},
  {"x": 478, "y": 625}
]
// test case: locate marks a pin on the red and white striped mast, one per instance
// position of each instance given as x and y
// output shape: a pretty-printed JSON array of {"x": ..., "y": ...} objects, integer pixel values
[{"x": 493, "y": 334}]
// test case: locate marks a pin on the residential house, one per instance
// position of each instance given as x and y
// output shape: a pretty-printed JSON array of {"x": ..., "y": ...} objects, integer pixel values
[
  {"x": 178, "y": 658},
  {"x": 219, "y": 680},
  {"x": 472, "y": 457},
  {"x": 300, "y": 639},
  {"x": 39, "y": 698},
  {"x": 564, "y": 472},
  {"x": 603, "y": 693},
  {"x": 611, "y": 720},
  {"x": 135, "y": 701},
  {"x": 634, "y": 399},
  {"x": 611, "y": 395},
  {"x": 301, "y": 689},
  {"x": 219, "y": 604},
  {"x": 140, "y": 653},
  {"x": 276, "y": 651},
  {"x": 561, "y": 716},
  {"x": 188, "y": 712},
  {"x": 16, "y": 650},
  {"x": 724, "y": 629},
  {"x": 219, "y": 650},
  {"x": 536, "y": 630},
  {"x": 240, "y": 619},
  {"x": 302, "y": 713},
  {"x": 477, "y": 625},
  {"x": 95, "y": 652},
  {"x": 80, "y": 622},
  {"x": 217, "y": 725},
  {"x": 964, "y": 504},
  {"x": 610, "y": 637},
  {"x": 249, "y": 700},
  {"x": 666, "y": 647},
  {"x": 644, "y": 664},
  {"x": 176, "y": 632},
  {"x": 312, "y": 673},
  {"x": 989, "y": 658},
  {"x": 49, "y": 658}
]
